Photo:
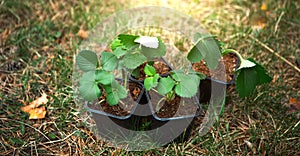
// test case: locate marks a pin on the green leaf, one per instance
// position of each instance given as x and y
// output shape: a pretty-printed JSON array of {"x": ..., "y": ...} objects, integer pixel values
[
  {"x": 194, "y": 55},
  {"x": 245, "y": 64},
  {"x": 149, "y": 70},
  {"x": 115, "y": 44},
  {"x": 187, "y": 84},
  {"x": 165, "y": 85},
  {"x": 148, "y": 82},
  {"x": 214, "y": 37},
  {"x": 121, "y": 91},
  {"x": 112, "y": 98},
  {"x": 128, "y": 41},
  {"x": 87, "y": 60},
  {"x": 206, "y": 48},
  {"x": 246, "y": 81},
  {"x": 249, "y": 77},
  {"x": 109, "y": 61},
  {"x": 151, "y": 82},
  {"x": 152, "y": 53},
  {"x": 136, "y": 73},
  {"x": 263, "y": 77},
  {"x": 107, "y": 88},
  {"x": 199, "y": 74},
  {"x": 104, "y": 77},
  {"x": 51, "y": 136},
  {"x": 132, "y": 60},
  {"x": 115, "y": 93},
  {"x": 119, "y": 52},
  {"x": 88, "y": 88}
]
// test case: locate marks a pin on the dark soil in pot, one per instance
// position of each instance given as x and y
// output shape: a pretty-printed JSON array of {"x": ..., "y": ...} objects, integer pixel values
[
  {"x": 216, "y": 82},
  {"x": 230, "y": 62},
  {"x": 173, "y": 108},
  {"x": 176, "y": 107},
  {"x": 161, "y": 67},
  {"x": 123, "y": 108}
]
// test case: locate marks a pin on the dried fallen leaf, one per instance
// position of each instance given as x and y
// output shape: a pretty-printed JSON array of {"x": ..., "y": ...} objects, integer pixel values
[
  {"x": 294, "y": 105},
  {"x": 275, "y": 77},
  {"x": 45, "y": 48},
  {"x": 259, "y": 24},
  {"x": 34, "y": 104},
  {"x": 32, "y": 108},
  {"x": 264, "y": 7},
  {"x": 83, "y": 34},
  {"x": 37, "y": 113}
]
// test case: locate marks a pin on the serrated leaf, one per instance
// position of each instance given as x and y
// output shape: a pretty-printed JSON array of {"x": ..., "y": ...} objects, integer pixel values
[
  {"x": 112, "y": 99},
  {"x": 119, "y": 52},
  {"x": 104, "y": 77},
  {"x": 115, "y": 44},
  {"x": 107, "y": 88},
  {"x": 246, "y": 81},
  {"x": 128, "y": 41},
  {"x": 187, "y": 84},
  {"x": 165, "y": 85},
  {"x": 263, "y": 77},
  {"x": 194, "y": 55},
  {"x": 149, "y": 70},
  {"x": 133, "y": 60},
  {"x": 148, "y": 41},
  {"x": 116, "y": 93},
  {"x": 152, "y": 53},
  {"x": 148, "y": 82},
  {"x": 109, "y": 61},
  {"x": 87, "y": 60},
  {"x": 88, "y": 88},
  {"x": 200, "y": 75},
  {"x": 119, "y": 89},
  {"x": 214, "y": 37},
  {"x": 178, "y": 75},
  {"x": 206, "y": 48},
  {"x": 245, "y": 64},
  {"x": 151, "y": 82}
]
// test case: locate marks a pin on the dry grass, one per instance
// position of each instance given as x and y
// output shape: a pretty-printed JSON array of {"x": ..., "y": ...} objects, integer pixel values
[{"x": 36, "y": 54}]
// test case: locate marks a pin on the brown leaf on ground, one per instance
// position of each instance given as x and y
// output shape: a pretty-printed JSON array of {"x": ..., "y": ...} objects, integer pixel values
[
  {"x": 32, "y": 107},
  {"x": 83, "y": 34},
  {"x": 294, "y": 105},
  {"x": 264, "y": 7},
  {"x": 37, "y": 113},
  {"x": 259, "y": 23},
  {"x": 34, "y": 104}
]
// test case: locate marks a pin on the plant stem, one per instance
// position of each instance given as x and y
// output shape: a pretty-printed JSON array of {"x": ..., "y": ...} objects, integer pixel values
[
  {"x": 158, "y": 104},
  {"x": 226, "y": 51},
  {"x": 125, "y": 83},
  {"x": 170, "y": 95}
]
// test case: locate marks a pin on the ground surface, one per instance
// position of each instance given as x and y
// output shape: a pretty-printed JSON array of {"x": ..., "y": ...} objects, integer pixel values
[{"x": 38, "y": 41}]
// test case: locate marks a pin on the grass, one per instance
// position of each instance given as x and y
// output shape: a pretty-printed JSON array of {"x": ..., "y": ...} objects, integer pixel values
[{"x": 37, "y": 45}]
